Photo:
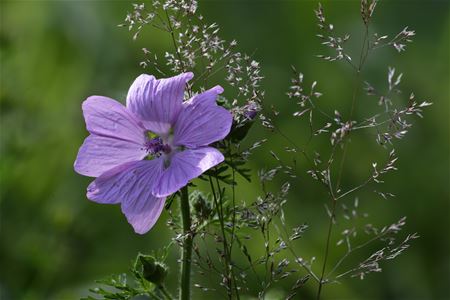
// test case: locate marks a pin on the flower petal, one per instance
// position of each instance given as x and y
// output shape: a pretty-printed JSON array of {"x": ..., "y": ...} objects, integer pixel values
[
  {"x": 157, "y": 102},
  {"x": 202, "y": 121},
  {"x": 184, "y": 166},
  {"x": 104, "y": 189},
  {"x": 131, "y": 184},
  {"x": 99, "y": 154},
  {"x": 142, "y": 215},
  {"x": 107, "y": 117}
]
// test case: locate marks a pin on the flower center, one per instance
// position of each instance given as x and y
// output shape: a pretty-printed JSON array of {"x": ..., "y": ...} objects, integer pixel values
[{"x": 155, "y": 145}]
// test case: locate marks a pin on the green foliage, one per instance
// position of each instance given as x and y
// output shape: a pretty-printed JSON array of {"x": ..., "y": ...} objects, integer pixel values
[
  {"x": 240, "y": 131},
  {"x": 152, "y": 270},
  {"x": 148, "y": 274},
  {"x": 235, "y": 162}
]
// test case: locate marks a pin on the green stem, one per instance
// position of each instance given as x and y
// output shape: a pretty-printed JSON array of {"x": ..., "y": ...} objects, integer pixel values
[
  {"x": 166, "y": 294},
  {"x": 330, "y": 228},
  {"x": 186, "y": 254}
]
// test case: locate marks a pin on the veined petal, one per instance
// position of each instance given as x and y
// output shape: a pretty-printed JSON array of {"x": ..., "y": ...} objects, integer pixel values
[
  {"x": 207, "y": 97},
  {"x": 125, "y": 181},
  {"x": 142, "y": 215},
  {"x": 140, "y": 94},
  {"x": 157, "y": 101},
  {"x": 131, "y": 185},
  {"x": 202, "y": 121},
  {"x": 99, "y": 154},
  {"x": 107, "y": 117},
  {"x": 184, "y": 166},
  {"x": 104, "y": 189}
]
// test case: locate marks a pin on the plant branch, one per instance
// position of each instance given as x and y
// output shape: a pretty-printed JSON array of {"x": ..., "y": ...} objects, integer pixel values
[{"x": 186, "y": 254}]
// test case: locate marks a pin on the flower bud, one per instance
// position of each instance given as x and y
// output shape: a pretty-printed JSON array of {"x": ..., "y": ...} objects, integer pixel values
[
  {"x": 153, "y": 270},
  {"x": 251, "y": 110},
  {"x": 201, "y": 207}
]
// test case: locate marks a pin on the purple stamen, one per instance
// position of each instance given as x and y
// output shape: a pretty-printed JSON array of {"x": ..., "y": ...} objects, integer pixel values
[{"x": 156, "y": 145}]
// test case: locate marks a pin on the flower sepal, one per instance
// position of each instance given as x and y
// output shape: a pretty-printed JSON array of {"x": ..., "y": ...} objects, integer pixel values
[
  {"x": 153, "y": 270},
  {"x": 240, "y": 131}
]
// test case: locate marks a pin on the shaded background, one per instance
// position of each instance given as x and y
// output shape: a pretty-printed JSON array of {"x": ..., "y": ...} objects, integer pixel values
[{"x": 54, "y": 54}]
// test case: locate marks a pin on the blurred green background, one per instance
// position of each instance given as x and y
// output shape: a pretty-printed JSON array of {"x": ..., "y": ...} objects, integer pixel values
[{"x": 55, "y": 243}]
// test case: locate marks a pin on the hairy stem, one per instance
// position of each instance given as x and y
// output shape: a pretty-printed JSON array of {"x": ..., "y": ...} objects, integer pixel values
[{"x": 186, "y": 254}]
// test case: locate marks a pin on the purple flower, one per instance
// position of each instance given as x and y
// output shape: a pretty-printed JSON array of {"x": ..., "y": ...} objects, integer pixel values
[{"x": 151, "y": 148}]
